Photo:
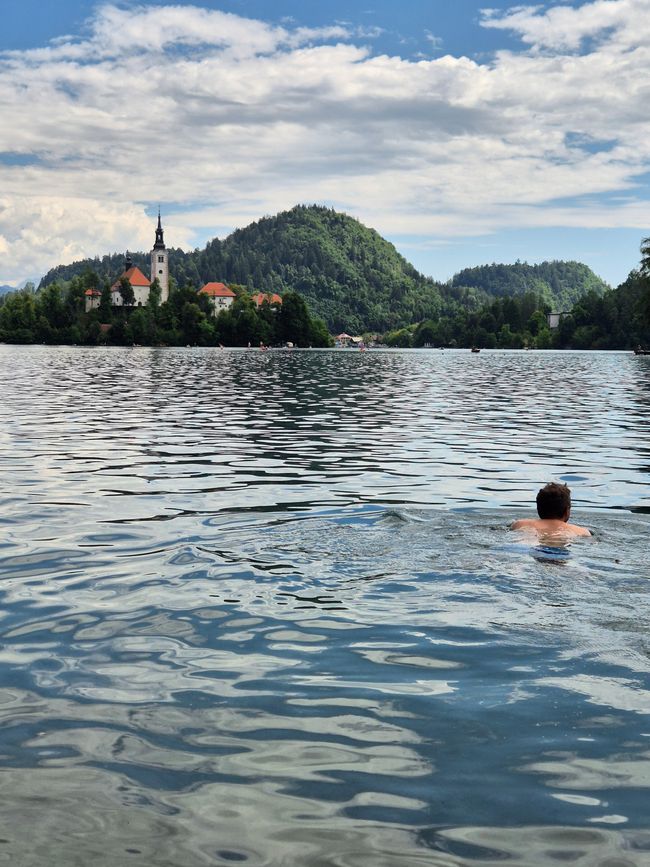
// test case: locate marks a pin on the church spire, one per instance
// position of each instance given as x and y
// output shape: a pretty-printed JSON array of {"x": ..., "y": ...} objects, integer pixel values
[
  {"x": 160, "y": 243},
  {"x": 160, "y": 262}
]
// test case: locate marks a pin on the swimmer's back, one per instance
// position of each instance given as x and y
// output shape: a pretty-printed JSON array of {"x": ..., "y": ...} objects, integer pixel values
[{"x": 549, "y": 527}]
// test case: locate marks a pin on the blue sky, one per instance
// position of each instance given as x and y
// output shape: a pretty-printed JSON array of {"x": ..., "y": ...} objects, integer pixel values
[
  {"x": 463, "y": 135},
  {"x": 31, "y": 23}
]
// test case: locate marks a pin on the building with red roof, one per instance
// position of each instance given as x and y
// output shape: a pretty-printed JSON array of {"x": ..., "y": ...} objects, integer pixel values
[
  {"x": 92, "y": 297},
  {"x": 139, "y": 283},
  {"x": 266, "y": 298},
  {"x": 220, "y": 295}
]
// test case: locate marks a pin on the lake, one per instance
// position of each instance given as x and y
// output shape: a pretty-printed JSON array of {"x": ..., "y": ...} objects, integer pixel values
[{"x": 264, "y": 608}]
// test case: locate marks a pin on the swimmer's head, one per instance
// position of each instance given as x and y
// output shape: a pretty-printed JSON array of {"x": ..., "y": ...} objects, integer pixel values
[{"x": 554, "y": 501}]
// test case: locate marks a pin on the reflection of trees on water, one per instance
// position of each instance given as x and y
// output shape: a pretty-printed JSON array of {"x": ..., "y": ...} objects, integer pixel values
[
  {"x": 294, "y": 408},
  {"x": 421, "y": 427},
  {"x": 461, "y": 428}
]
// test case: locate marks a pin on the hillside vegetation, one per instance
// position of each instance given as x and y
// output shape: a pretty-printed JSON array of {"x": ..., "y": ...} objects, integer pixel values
[
  {"x": 349, "y": 275},
  {"x": 559, "y": 284},
  {"x": 356, "y": 281},
  {"x": 57, "y": 315},
  {"x": 620, "y": 319}
]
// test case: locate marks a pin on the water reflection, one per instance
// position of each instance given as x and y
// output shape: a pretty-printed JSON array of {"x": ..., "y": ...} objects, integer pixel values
[{"x": 265, "y": 608}]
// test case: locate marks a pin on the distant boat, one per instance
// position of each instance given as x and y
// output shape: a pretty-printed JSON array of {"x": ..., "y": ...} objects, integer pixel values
[
  {"x": 640, "y": 351},
  {"x": 475, "y": 349}
]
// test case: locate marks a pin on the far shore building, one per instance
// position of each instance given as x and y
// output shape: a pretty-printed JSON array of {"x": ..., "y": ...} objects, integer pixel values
[
  {"x": 93, "y": 297},
  {"x": 554, "y": 319},
  {"x": 266, "y": 297},
  {"x": 140, "y": 284},
  {"x": 221, "y": 296}
]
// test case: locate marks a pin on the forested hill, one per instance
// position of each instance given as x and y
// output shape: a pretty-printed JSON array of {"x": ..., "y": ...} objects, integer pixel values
[
  {"x": 560, "y": 284},
  {"x": 350, "y": 276}
]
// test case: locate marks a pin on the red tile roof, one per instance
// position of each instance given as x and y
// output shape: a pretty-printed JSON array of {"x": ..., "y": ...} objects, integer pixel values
[
  {"x": 95, "y": 293},
  {"x": 217, "y": 290},
  {"x": 269, "y": 297},
  {"x": 135, "y": 277}
]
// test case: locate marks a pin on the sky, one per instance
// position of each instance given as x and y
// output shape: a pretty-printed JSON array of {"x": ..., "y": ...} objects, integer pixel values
[{"x": 464, "y": 132}]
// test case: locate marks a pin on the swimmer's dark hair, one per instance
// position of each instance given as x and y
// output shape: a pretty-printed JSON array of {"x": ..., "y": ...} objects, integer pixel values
[{"x": 554, "y": 501}]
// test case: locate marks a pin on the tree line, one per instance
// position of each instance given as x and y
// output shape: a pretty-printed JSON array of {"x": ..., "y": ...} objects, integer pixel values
[
  {"x": 619, "y": 319},
  {"x": 344, "y": 271},
  {"x": 56, "y": 314},
  {"x": 615, "y": 319},
  {"x": 349, "y": 275},
  {"x": 352, "y": 277}
]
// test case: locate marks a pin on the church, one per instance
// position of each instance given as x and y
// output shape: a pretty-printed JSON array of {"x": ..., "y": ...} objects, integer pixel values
[
  {"x": 138, "y": 281},
  {"x": 220, "y": 295}
]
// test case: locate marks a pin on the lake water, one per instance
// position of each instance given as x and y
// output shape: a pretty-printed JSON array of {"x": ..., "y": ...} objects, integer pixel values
[{"x": 264, "y": 608}]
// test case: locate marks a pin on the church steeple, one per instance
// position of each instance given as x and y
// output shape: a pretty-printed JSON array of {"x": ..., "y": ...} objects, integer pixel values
[
  {"x": 160, "y": 262},
  {"x": 160, "y": 242}
]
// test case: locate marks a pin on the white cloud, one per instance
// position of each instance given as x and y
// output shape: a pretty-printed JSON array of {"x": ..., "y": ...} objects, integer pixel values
[
  {"x": 67, "y": 228},
  {"x": 622, "y": 22},
  {"x": 232, "y": 118}
]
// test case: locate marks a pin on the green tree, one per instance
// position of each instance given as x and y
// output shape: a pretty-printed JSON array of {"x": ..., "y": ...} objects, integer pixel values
[
  {"x": 141, "y": 328},
  {"x": 425, "y": 333},
  {"x": 51, "y": 305},
  {"x": 401, "y": 338},
  {"x": 127, "y": 293},
  {"x": 537, "y": 322},
  {"x": 75, "y": 299},
  {"x": 565, "y": 331},
  {"x": 167, "y": 326},
  {"x": 645, "y": 257},
  {"x": 505, "y": 338},
  {"x": 191, "y": 319},
  {"x": 93, "y": 333},
  {"x": 644, "y": 271},
  {"x": 18, "y": 317},
  {"x": 43, "y": 331},
  {"x": 105, "y": 302},
  {"x": 155, "y": 293},
  {"x": 294, "y": 321},
  {"x": 320, "y": 336}
]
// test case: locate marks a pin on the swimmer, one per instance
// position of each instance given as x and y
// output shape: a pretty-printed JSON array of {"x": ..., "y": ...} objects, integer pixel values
[{"x": 554, "y": 509}]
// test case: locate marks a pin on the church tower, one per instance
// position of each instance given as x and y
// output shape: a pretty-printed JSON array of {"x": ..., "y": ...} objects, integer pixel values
[{"x": 160, "y": 263}]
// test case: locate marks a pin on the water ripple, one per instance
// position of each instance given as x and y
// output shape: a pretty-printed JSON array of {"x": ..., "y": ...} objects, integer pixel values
[{"x": 265, "y": 609}]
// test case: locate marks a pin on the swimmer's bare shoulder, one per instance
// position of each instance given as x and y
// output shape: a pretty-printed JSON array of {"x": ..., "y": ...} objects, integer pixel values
[{"x": 549, "y": 527}]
